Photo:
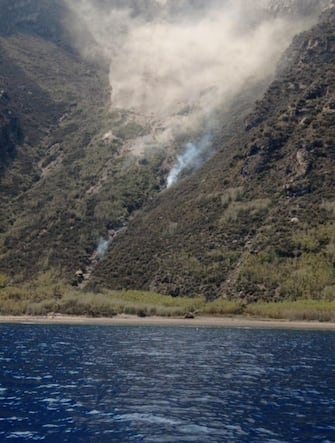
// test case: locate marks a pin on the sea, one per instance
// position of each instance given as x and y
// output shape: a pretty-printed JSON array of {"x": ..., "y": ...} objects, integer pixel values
[{"x": 102, "y": 384}]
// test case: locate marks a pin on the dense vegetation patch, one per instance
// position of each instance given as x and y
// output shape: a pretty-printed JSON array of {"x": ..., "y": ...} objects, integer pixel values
[{"x": 49, "y": 296}]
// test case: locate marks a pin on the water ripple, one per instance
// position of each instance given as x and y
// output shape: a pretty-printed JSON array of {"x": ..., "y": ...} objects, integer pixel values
[{"x": 150, "y": 384}]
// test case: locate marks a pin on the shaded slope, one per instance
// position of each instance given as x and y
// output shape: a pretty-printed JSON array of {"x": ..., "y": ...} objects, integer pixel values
[
  {"x": 47, "y": 92},
  {"x": 257, "y": 220},
  {"x": 43, "y": 18},
  {"x": 65, "y": 178}
]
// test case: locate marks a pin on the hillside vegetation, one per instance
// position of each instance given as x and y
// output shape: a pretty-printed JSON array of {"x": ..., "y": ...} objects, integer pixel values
[
  {"x": 69, "y": 176},
  {"x": 257, "y": 221},
  {"x": 66, "y": 178},
  {"x": 255, "y": 224}
]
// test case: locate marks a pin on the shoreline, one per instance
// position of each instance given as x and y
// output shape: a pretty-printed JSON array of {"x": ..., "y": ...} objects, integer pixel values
[{"x": 201, "y": 321}]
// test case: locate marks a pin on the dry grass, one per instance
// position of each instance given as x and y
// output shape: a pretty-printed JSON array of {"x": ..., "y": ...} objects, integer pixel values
[
  {"x": 222, "y": 307},
  {"x": 317, "y": 310},
  {"x": 253, "y": 207},
  {"x": 43, "y": 297}
]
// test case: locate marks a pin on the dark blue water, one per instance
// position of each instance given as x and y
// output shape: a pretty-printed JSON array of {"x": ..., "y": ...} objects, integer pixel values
[{"x": 151, "y": 384}]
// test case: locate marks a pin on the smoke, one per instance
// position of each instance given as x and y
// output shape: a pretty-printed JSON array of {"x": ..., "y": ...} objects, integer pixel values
[
  {"x": 164, "y": 56},
  {"x": 102, "y": 247},
  {"x": 192, "y": 157},
  {"x": 175, "y": 62}
]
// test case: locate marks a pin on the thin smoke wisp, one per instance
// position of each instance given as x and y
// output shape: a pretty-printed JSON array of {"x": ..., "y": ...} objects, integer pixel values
[{"x": 102, "y": 247}]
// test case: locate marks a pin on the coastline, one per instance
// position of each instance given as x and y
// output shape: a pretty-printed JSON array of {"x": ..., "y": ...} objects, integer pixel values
[{"x": 201, "y": 321}]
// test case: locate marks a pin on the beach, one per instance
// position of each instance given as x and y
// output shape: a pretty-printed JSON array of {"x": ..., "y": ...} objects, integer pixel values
[{"x": 201, "y": 321}]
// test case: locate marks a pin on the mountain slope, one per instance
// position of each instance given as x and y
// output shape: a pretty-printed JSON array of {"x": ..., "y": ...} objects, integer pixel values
[
  {"x": 47, "y": 91},
  {"x": 73, "y": 171},
  {"x": 257, "y": 220}
]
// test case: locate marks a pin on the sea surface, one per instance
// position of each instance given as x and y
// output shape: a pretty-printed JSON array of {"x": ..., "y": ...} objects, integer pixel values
[{"x": 63, "y": 383}]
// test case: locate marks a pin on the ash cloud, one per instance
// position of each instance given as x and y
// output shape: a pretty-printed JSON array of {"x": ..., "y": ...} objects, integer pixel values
[
  {"x": 163, "y": 56},
  {"x": 166, "y": 56}
]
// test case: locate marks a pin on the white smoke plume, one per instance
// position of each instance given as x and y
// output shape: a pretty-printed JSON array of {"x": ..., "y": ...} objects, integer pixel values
[
  {"x": 176, "y": 61},
  {"x": 102, "y": 247},
  {"x": 191, "y": 158}
]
